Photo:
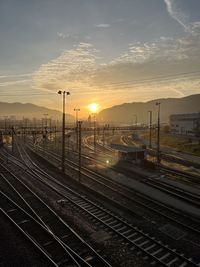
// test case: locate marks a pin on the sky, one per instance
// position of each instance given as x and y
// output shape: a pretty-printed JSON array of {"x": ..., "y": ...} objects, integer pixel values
[{"x": 103, "y": 51}]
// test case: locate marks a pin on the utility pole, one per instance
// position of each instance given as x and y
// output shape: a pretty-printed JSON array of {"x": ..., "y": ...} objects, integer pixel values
[
  {"x": 45, "y": 134},
  {"x": 63, "y": 130},
  {"x": 158, "y": 133},
  {"x": 50, "y": 125},
  {"x": 150, "y": 128},
  {"x": 94, "y": 131},
  {"x": 55, "y": 136},
  {"x": 103, "y": 137},
  {"x": 77, "y": 110},
  {"x": 79, "y": 150},
  {"x": 12, "y": 133},
  {"x": 68, "y": 139}
]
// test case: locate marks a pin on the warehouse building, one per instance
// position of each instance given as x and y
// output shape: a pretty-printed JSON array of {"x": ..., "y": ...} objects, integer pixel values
[{"x": 185, "y": 124}]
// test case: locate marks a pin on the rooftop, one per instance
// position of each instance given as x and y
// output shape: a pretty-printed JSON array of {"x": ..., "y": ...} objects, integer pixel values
[{"x": 127, "y": 149}]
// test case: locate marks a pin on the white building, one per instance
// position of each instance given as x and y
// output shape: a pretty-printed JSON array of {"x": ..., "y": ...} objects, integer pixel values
[{"x": 185, "y": 124}]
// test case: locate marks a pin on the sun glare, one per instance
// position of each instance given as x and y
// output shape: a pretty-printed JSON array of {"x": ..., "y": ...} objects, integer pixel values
[{"x": 93, "y": 107}]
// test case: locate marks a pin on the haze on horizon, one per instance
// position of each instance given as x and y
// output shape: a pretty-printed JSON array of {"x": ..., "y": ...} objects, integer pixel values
[{"x": 102, "y": 51}]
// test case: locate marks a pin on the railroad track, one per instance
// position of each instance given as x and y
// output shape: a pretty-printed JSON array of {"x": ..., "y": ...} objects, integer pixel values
[
  {"x": 154, "y": 251},
  {"x": 189, "y": 178},
  {"x": 174, "y": 191},
  {"x": 169, "y": 213},
  {"x": 183, "y": 174},
  {"x": 126, "y": 141},
  {"x": 106, "y": 150},
  {"x": 43, "y": 239},
  {"x": 81, "y": 251}
]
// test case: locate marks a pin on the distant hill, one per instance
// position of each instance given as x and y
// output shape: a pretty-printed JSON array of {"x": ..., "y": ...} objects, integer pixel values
[
  {"x": 125, "y": 112},
  {"x": 28, "y": 110}
]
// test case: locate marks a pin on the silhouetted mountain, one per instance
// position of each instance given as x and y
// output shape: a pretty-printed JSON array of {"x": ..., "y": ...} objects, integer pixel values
[
  {"x": 28, "y": 110},
  {"x": 126, "y": 112}
]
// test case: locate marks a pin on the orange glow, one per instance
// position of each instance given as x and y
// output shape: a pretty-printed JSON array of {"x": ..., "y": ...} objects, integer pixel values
[{"x": 93, "y": 107}]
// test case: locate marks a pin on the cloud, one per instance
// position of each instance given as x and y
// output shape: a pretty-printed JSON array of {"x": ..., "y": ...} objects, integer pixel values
[
  {"x": 15, "y": 79},
  {"x": 166, "y": 65},
  {"x": 177, "y": 14},
  {"x": 167, "y": 48},
  {"x": 12, "y": 83},
  {"x": 181, "y": 17},
  {"x": 73, "y": 68},
  {"x": 15, "y": 76},
  {"x": 196, "y": 24},
  {"x": 102, "y": 25},
  {"x": 61, "y": 35}
]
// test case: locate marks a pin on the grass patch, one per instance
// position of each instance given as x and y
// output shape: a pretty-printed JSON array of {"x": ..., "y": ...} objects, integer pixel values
[{"x": 179, "y": 143}]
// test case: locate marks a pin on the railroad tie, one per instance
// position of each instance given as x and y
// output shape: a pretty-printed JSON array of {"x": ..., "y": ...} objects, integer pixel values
[
  {"x": 11, "y": 210},
  {"x": 157, "y": 251},
  {"x": 173, "y": 261},
  {"x": 164, "y": 256},
  {"x": 24, "y": 221}
]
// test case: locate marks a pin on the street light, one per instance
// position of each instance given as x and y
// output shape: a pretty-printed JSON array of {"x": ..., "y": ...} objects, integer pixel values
[
  {"x": 158, "y": 134},
  {"x": 150, "y": 128},
  {"x": 79, "y": 123},
  {"x": 45, "y": 133},
  {"x": 63, "y": 130},
  {"x": 94, "y": 118},
  {"x": 77, "y": 110}
]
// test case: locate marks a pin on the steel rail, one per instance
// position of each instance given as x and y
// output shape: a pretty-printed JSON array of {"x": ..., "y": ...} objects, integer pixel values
[
  {"x": 42, "y": 238},
  {"x": 61, "y": 222},
  {"x": 83, "y": 204}
]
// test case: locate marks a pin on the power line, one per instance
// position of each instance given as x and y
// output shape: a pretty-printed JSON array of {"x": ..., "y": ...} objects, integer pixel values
[{"x": 122, "y": 84}]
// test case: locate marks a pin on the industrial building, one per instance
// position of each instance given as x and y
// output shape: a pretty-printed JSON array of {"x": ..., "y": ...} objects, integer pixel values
[
  {"x": 129, "y": 153},
  {"x": 185, "y": 124}
]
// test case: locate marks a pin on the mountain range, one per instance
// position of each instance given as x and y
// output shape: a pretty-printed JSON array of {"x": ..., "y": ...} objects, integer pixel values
[
  {"x": 127, "y": 112},
  {"x": 30, "y": 111},
  {"x": 124, "y": 113}
]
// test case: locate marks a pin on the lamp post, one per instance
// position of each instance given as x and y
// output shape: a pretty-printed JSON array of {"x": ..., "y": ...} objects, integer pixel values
[
  {"x": 63, "y": 93},
  {"x": 68, "y": 142},
  {"x": 103, "y": 137},
  {"x": 45, "y": 133},
  {"x": 150, "y": 128},
  {"x": 94, "y": 118},
  {"x": 158, "y": 133},
  {"x": 79, "y": 123},
  {"x": 77, "y": 110}
]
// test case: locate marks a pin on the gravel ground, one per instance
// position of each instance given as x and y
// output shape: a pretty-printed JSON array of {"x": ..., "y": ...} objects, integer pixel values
[
  {"x": 16, "y": 250},
  {"x": 144, "y": 219},
  {"x": 119, "y": 253}
]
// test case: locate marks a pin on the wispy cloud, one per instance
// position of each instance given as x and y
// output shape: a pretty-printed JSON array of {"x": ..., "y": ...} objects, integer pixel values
[
  {"x": 103, "y": 25},
  {"x": 73, "y": 67},
  {"x": 61, "y": 35},
  {"x": 16, "y": 76},
  {"x": 12, "y": 83},
  {"x": 167, "y": 48},
  {"x": 177, "y": 14},
  {"x": 144, "y": 69},
  {"x": 15, "y": 79}
]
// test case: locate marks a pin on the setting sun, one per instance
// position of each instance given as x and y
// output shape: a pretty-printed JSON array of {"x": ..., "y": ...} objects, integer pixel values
[{"x": 93, "y": 107}]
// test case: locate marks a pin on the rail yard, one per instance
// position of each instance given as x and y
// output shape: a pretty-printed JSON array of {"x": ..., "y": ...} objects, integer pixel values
[{"x": 102, "y": 213}]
